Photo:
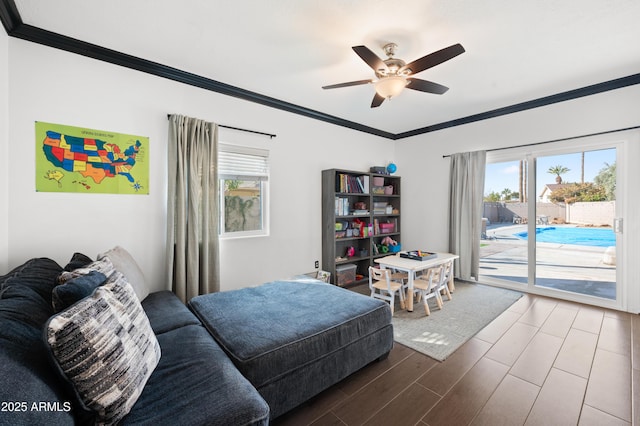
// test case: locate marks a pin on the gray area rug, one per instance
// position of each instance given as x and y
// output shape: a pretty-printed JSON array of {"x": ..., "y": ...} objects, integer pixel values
[{"x": 440, "y": 334}]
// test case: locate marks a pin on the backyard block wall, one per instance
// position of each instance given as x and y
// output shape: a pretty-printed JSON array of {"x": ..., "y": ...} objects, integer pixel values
[
  {"x": 506, "y": 212},
  {"x": 594, "y": 213}
]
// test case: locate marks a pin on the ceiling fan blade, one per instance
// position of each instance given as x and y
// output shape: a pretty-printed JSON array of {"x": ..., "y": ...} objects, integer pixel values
[
  {"x": 350, "y": 83},
  {"x": 377, "y": 101},
  {"x": 370, "y": 58},
  {"x": 433, "y": 59},
  {"x": 426, "y": 86}
]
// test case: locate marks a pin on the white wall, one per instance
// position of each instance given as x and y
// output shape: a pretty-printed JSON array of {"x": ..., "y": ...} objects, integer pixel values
[
  {"x": 420, "y": 159},
  {"x": 4, "y": 134},
  {"x": 59, "y": 87}
]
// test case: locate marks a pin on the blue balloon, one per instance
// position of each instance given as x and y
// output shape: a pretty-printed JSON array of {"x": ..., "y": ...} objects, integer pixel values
[{"x": 391, "y": 168}]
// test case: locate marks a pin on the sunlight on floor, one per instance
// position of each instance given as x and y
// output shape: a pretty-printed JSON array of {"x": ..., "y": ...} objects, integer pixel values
[{"x": 432, "y": 338}]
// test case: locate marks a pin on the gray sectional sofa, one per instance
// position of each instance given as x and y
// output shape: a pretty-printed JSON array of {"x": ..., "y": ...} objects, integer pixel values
[
  {"x": 232, "y": 358},
  {"x": 194, "y": 382}
]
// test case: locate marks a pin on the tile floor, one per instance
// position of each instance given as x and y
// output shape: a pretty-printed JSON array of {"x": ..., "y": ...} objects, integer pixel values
[{"x": 542, "y": 362}]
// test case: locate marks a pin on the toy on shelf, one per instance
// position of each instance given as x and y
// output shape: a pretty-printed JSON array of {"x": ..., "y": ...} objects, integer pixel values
[
  {"x": 388, "y": 241},
  {"x": 391, "y": 168},
  {"x": 388, "y": 245}
]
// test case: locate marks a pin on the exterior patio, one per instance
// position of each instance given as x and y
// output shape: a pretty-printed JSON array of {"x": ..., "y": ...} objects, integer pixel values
[{"x": 568, "y": 267}]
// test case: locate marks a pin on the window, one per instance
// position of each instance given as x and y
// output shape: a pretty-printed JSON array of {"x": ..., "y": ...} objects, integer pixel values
[{"x": 243, "y": 174}]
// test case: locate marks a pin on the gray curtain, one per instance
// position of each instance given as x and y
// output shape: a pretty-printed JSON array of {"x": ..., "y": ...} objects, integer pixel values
[
  {"x": 192, "y": 207},
  {"x": 465, "y": 211}
]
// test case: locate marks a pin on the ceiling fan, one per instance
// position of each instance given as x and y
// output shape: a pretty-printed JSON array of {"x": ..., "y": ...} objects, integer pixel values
[{"x": 393, "y": 74}]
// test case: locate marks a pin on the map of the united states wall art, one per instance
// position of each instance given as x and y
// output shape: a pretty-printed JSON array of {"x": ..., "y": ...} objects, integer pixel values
[{"x": 75, "y": 159}]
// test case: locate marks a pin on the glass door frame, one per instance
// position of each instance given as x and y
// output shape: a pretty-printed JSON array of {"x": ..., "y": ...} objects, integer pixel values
[{"x": 530, "y": 154}]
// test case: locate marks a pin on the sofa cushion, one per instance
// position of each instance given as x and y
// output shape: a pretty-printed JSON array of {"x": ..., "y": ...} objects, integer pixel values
[
  {"x": 125, "y": 263},
  {"x": 195, "y": 383},
  {"x": 106, "y": 348},
  {"x": 273, "y": 329},
  {"x": 38, "y": 274},
  {"x": 166, "y": 312},
  {"x": 23, "y": 306},
  {"x": 76, "y": 289},
  {"x": 25, "y": 370}
]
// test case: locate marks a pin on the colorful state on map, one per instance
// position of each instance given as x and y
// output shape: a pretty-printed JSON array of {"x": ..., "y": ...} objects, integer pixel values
[{"x": 92, "y": 158}]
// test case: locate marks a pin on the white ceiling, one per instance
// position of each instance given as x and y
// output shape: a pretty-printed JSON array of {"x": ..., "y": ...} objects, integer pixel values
[{"x": 516, "y": 51}]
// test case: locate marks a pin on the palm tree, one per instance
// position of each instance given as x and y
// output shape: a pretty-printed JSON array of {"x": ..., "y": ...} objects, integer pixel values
[
  {"x": 606, "y": 178},
  {"x": 558, "y": 171}
]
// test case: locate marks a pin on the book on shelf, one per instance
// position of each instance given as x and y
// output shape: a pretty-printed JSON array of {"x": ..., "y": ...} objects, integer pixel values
[
  {"x": 365, "y": 183},
  {"x": 341, "y": 206},
  {"x": 352, "y": 184}
]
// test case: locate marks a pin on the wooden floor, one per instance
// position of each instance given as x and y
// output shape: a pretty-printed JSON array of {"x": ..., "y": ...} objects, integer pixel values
[{"x": 542, "y": 362}]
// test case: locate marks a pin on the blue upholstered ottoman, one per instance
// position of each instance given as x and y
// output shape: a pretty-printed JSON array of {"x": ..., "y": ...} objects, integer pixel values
[{"x": 293, "y": 339}]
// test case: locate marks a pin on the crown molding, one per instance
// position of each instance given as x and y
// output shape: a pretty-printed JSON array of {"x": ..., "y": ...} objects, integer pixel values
[
  {"x": 14, "y": 27},
  {"x": 9, "y": 15},
  {"x": 606, "y": 86}
]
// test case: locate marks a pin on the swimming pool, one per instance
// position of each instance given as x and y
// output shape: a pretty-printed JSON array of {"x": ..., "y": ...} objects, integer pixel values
[{"x": 597, "y": 237}]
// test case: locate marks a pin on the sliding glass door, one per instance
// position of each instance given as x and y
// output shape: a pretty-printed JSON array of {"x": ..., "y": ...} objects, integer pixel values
[
  {"x": 503, "y": 255},
  {"x": 575, "y": 214},
  {"x": 549, "y": 223}
]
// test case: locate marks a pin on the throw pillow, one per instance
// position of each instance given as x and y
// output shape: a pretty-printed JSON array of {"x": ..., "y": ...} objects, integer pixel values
[
  {"x": 125, "y": 263},
  {"x": 76, "y": 289},
  {"x": 104, "y": 346},
  {"x": 103, "y": 266},
  {"x": 78, "y": 260}
]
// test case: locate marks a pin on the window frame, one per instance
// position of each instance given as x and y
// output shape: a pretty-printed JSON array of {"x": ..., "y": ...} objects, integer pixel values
[{"x": 255, "y": 169}]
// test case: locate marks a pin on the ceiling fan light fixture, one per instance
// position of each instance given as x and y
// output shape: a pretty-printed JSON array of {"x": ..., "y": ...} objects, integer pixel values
[
  {"x": 390, "y": 86},
  {"x": 394, "y": 74}
]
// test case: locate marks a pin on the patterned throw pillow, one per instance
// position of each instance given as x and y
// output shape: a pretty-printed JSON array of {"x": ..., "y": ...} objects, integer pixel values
[{"x": 105, "y": 347}]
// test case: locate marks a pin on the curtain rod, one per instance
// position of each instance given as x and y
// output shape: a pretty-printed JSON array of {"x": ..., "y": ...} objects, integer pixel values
[
  {"x": 559, "y": 140},
  {"x": 271, "y": 135}
]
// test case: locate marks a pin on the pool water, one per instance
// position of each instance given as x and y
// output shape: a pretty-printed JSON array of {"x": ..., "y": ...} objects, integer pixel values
[{"x": 597, "y": 237}]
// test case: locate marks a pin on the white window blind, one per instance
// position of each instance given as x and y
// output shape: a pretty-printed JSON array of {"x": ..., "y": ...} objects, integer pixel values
[{"x": 242, "y": 163}]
